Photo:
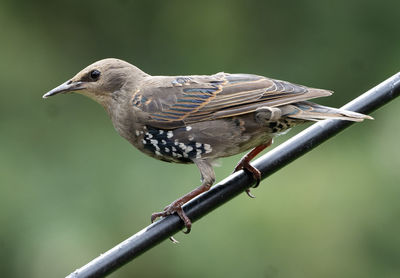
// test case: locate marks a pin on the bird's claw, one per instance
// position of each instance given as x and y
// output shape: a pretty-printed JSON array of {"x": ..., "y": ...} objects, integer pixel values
[
  {"x": 246, "y": 166},
  {"x": 249, "y": 193},
  {"x": 171, "y": 209},
  {"x": 255, "y": 172}
]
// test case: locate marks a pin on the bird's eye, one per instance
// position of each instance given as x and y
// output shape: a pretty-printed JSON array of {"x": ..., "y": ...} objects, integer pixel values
[{"x": 94, "y": 74}]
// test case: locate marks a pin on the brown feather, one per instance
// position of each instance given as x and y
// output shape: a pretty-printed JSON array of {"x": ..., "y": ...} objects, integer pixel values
[{"x": 174, "y": 101}]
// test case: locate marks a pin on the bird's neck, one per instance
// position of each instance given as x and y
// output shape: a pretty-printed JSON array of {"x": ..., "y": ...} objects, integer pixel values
[{"x": 122, "y": 115}]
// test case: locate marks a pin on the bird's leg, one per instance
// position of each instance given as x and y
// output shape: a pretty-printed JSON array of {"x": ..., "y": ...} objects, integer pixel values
[
  {"x": 176, "y": 206},
  {"x": 208, "y": 178},
  {"x": 244, "y": 163}
]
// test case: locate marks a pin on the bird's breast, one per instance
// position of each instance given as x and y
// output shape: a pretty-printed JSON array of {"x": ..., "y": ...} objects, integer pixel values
[{"x": 178, "y": 145}]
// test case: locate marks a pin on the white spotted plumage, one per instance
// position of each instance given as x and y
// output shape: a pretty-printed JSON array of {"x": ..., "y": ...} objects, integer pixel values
[
  {"x": 148, "y": 135},
  {"x": 182, "y": 146},
  {"x": 154, "y": 142}
]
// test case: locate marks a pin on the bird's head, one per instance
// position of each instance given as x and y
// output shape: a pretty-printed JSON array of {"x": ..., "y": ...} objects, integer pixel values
[{"x": 100, "y": 80}]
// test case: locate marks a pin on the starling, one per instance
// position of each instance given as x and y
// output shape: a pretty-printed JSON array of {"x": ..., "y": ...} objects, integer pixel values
[{"x": 199, "y": 118}]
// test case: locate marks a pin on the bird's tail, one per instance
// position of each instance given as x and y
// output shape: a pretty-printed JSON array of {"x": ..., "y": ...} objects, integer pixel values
[{"x": 310, "y": 111}]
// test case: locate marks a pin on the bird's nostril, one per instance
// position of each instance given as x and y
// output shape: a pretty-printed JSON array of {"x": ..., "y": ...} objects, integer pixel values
[{"x": 69, "y": 82}]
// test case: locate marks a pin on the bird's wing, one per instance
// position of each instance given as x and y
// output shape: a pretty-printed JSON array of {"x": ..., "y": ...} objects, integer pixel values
[{"x": 170, "y": 102}]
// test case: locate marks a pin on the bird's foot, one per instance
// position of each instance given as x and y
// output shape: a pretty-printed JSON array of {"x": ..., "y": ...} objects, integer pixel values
[
  {"x": 171, "y": 209},
  {"x": 176, "y": 206},
  {"x": 245, "y": 165}
]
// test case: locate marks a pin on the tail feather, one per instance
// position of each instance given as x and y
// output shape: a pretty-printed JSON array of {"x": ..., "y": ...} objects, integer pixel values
[{"x": 310, "y": 111}]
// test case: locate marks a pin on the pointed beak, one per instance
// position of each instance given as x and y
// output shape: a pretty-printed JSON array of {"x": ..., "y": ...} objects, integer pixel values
[{"x": 66, "y": 87}]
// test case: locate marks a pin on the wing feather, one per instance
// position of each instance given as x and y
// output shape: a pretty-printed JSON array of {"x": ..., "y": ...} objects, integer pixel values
[{"x": 171, "y": 102}]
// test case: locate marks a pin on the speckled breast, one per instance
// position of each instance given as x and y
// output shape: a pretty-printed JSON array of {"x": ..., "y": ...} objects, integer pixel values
[{"x": 166, "y": 145}]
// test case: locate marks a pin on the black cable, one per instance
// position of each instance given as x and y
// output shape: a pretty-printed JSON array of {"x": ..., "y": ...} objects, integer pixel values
[{"x": 236, "y": 183}]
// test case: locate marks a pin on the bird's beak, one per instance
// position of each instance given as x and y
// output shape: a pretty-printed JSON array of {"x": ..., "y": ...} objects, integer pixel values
[{"x": 66, "y": 87}]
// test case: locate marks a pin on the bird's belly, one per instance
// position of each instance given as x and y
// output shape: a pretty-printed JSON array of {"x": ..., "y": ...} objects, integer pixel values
[{"x": 203, "y": 140}]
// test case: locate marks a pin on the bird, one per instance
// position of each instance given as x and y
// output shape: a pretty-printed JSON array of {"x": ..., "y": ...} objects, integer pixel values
[{"x": 199, "y": 118}]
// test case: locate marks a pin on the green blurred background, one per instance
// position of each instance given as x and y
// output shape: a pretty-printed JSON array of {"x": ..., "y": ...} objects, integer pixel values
[{"x": 71, "y": 188}]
